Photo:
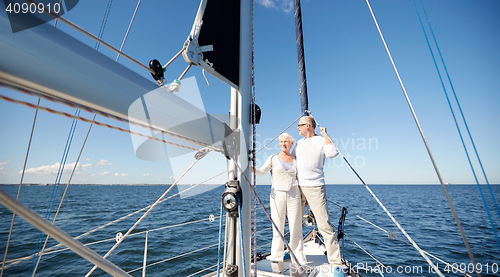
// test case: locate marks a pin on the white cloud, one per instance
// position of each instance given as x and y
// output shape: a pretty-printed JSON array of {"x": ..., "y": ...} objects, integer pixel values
[
  {"x": 86, "y": 166},
  {"x": 4, "y": 162},
  {"x": 87, "y": 159},
  {"x": 103, "y": 162},
  {"x": 104, "y": 173},
  {"x": 143, "y": 175},
  {"x": 267, "y": 3},
  {"x": 50, "y": 169},
  {"x": 121, "y": 175},
  {"x": 283, "y": 5},
  {"x": 4, "y": 167}
]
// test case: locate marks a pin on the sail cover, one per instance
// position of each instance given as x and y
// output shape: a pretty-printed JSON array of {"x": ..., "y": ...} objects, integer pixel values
[{"x": 215, "y": 39}]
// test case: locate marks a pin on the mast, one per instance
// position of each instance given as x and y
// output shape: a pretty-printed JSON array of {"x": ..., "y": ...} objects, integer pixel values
[
  {"x": 304, "y": 103},
  {"x": 241, "y": 120},
  {"x": 237, "y": 143}
]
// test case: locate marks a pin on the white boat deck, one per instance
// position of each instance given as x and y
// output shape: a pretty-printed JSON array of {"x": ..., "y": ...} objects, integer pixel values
[{"x": 317, "y": 262}]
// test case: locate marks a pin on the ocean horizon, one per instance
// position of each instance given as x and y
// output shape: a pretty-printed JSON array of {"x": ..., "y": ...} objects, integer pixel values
[{"x": 182, "y": 225}]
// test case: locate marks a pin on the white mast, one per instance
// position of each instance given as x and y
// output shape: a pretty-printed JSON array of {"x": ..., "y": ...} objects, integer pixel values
[{"x": 242, "y": 100}]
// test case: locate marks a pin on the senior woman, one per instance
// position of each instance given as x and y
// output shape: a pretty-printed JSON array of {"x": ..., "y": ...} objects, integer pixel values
[{"x": 285, "y": 200}]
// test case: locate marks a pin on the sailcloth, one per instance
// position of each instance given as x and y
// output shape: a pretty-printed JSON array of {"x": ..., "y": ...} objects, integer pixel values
[
  {"x": 48, "y": 61},
  {"x": 214, "y": 41}
]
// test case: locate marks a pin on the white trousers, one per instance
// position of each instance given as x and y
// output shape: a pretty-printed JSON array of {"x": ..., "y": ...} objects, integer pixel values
[
  {"x": 316, "y": 197},
  {"x": 287, "y": 204}
]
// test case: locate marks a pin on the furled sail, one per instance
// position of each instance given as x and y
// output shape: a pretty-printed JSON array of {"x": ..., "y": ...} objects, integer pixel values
[{"x": 214, "y": 41}]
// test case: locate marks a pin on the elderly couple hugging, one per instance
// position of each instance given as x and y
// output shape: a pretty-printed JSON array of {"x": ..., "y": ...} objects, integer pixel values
[{"x": 298, "y": 177}]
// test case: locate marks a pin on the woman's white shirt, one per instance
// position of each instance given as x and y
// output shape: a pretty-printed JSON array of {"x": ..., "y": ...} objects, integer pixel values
[{"x": 282, "y": 179}]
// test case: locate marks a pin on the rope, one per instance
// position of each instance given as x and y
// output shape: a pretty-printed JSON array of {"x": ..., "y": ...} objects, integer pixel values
[
  {"x": 54, "y": 192},
  {"x": 16, "y": 261},
  {"x": 241, "y": 239},
  {"x": 455, "y": 119},
  {"x": 107, "y": 115},
  {"x": 378, "y": 262},
  {"x": 387, "y": 232},
  {"x": 358, "y": 216},
  {"x": 62, "y": 198},
  {"x": 428, "y": 151},
  {"x": 19, "y": 190},
  {"x": 279, "y": 134},
  {"x": 220, "y": 238},
  {"x": 113, "y": 127},
  {"x": 90, "y": 110},
  {"x": 128, "y": 30},
  {"x": 169, "y": 259},
  {"x": 74, "y": 26},
  {"x": 272, "y": 221},
  {"x": 144, "y": 215},
  {"x": 103, "y": 23},
  {"x": 385, "y": 209},
  {"x": 204, "y": 270},
  {"x": 225, "y": 245}
]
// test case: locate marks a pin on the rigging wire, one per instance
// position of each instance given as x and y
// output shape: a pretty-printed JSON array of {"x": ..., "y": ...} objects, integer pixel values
[
  {"x": 103, "y": 24},
  {"x": 387, "y": 211},
  {"x": 107, "y": 115},
  {"x": 220, "y": 238},
  {"x": 378, "y": 262},
  {"x": 76, "y": 27},
  {"x": 279, "y": 134},
  {"x": 19, "y": 190},
  {"x": 59, "y": 174},
  {"x": 455, "y": 119},
  {"x": 101, "y": 33},
  {"x": 128, "y": 29},
  {"x": 63, "y": 196},
  {"x": 144, "y": 215},
  {"x": 292, "y": 255},
  {"x": 169, "y": 259},
  {"x": 453, "y": 267},
  {"x": 428, "y": 151},
  {"x": 113, "y": 127},
  {"x": 15, "y": 261},
  {"x": 241, "y": 238},
  {"x": 205, "y": 269}
]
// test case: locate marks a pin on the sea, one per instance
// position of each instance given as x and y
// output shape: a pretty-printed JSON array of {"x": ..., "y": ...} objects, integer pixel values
[{"x": 183, "y": 232}]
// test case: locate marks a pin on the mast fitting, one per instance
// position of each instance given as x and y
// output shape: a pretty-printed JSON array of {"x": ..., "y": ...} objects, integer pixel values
[
  {"x": 158, "y": 70},
  {"x": 231, "y": 197}
]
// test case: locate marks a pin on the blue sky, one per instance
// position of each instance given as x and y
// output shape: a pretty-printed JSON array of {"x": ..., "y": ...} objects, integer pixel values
[{"x": 353, "y": 91}]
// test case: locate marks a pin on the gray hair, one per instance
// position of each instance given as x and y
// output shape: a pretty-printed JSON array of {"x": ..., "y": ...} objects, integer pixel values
[
  {"x": 287, "y": 136},
  {"x": 310, "y": 120}
]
